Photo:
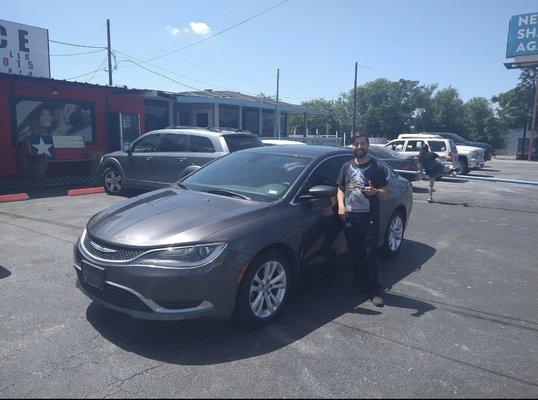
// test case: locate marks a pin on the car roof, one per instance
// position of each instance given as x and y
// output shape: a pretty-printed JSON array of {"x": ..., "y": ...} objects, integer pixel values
[
  {"x": 300, "y": 150},
  {"x": 419, "y": 136},
  {"x": 203, "y": 131}
]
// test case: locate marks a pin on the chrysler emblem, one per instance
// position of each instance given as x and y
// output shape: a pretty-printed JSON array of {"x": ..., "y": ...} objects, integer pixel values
[{"x": 102, "y": 249}]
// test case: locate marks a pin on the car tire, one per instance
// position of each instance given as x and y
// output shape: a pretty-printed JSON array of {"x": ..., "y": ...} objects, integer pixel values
[
  {"x": 256, "y": 297},
  {"x": 464, "y": 166},
  {"x": 113, "y": 181},
  {"x": 394, "y": 233}
]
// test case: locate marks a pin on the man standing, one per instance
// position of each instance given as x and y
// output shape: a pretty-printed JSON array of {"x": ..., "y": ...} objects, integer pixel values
[{"x": 361, "y": 184}]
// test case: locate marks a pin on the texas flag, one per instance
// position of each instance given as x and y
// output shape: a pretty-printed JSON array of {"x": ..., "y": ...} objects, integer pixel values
[{"x": 43, "y": 144}]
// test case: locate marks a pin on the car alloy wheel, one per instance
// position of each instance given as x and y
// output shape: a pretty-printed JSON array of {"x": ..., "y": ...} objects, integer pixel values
[
  {"x": 267, "y": 289},
  {"x": 113, "y": 181},
  {"x": 394, "y": 234},
  {"x": 263, "y": 290}
]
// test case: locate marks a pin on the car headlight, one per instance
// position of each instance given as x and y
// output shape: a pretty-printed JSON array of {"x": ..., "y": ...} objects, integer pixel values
[{"x": 182, "y": 257}]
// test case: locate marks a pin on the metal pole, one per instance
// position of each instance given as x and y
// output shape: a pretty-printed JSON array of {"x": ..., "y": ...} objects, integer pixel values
[
  {"x": 109, "y": 53},
  {"x": 533, "y": 127},
  {"x": 353, "y": 130},
  {"x": 277, "y": 116}
]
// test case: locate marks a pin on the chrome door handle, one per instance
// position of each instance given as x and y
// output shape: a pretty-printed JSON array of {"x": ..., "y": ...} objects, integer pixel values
[{"x": 181, "y": 159}]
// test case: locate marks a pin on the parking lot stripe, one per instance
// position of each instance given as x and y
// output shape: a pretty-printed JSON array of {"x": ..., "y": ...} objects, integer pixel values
[
  {"x": 14, "y": 197},
  {"x": 78, "y": 192}
]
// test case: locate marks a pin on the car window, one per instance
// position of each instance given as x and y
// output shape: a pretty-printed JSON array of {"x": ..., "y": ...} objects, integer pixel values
[
  {"x": 241, "y": 142},
  {"x": 414, "y": 145},
  {"x": 327, "y": 172},
  {"x": 174, "y": 142},
  {"x": 437, "y": 145},
  {"x": 200, "y": 144},
  {"x": 397, "y": 145},
  {"x": 147, "y": 144},
  {"x": 453, "y": 147}
]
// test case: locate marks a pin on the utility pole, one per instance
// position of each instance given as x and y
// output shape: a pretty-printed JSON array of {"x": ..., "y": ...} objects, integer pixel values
[
  {"x": 353, "y": 130},
  {"x": 277, "y": 114},
  {"x": 109, "y": 53},
  {"x": 533, "y": 127}
]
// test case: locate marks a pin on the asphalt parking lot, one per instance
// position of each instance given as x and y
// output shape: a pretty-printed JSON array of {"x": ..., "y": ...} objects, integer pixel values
[{"x": 460, "y": 320}]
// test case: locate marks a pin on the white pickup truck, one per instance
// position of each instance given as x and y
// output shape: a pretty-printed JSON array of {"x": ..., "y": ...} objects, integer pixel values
[{"x": 468, "y": 157}]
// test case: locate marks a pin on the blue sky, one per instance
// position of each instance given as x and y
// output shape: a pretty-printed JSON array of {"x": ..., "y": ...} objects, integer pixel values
[{"x": 314, "y": 43}]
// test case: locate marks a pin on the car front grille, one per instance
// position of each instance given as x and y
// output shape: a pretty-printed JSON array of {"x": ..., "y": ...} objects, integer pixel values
[
  {"x": 115, "y": 296},
  {"x": 115, "y": 254}
]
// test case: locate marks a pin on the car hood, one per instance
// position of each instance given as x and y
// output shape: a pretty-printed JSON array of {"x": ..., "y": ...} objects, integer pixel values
[
  {"x": 170, "y": 216},
  {"x": 478, "y": 144}
]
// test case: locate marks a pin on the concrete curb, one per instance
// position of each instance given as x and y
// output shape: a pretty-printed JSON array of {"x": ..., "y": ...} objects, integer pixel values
[
  {"x": 79, "y": 192},
  {"x": 14, "y": 197}
]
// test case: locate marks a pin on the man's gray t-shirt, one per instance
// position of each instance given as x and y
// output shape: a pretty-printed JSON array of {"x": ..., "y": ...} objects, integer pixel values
[{"x": 358, "y": 175}]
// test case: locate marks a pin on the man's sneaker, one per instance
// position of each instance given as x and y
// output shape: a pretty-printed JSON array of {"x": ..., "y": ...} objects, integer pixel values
[{"x": 377, "y": 301}]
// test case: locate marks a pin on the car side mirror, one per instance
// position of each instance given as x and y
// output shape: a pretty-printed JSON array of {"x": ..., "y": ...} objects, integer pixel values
[
  {"x": 318, "y": 192},
  {"x": 187, "y": 171},
  {"x": 127, "y": 148}
]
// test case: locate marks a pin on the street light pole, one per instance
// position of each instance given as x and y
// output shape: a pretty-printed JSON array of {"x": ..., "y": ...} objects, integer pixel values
[
  {"x": 353, "y": 130},
  {"x": 109, "y": 53},
  {"x": 533, "y": 126}
]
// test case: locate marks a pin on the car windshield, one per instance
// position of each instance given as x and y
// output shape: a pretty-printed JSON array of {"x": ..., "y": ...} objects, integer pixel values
[{"x": 258, "y": 176}]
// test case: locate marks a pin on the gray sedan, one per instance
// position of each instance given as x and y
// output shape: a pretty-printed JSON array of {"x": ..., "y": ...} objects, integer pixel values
[{"x": 231, "y": 239}]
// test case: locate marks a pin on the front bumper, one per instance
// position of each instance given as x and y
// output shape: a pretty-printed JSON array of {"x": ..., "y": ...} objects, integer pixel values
[
  {"x": 476, "y": 163},
  {"x": 165, "y": 294}
]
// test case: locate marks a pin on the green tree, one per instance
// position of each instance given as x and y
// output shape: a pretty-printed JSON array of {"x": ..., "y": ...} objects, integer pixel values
[
  {"x": 446, "y": 112},
  {"x": 481, "y": 123},
  {"x": 515, "y": 105},
  {"x": 314, "y": 122}
]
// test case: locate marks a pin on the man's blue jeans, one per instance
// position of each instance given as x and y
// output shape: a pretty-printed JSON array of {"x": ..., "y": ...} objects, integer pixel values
[{"x": 362, "y": 235}]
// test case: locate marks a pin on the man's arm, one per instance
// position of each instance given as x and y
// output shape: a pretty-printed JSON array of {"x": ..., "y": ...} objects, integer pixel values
[{"x": 341, "y": 202}]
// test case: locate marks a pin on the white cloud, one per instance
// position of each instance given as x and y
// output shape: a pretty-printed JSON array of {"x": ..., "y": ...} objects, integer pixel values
[
  {"x": 173, "y": 31},
  {"x": 200, "y": 28}
]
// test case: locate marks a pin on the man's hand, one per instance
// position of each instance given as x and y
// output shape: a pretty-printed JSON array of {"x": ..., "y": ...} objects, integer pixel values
[
  {"x": 342, "y": 213},
  {"x": 370, "y": 190}
]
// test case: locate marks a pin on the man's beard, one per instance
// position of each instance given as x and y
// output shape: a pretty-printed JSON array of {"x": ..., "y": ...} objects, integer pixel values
[{"x": 360, "y": 153}]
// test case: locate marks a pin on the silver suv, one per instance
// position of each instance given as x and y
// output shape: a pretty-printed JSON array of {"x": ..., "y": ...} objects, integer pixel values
[{"x": 158, "y": 158}]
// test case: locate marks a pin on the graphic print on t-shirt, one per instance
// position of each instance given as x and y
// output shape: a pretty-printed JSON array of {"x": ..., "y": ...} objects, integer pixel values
[{"x": 355, "y": 183}]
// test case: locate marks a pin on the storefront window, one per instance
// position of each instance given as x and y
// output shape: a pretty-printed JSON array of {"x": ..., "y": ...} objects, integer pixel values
[
  {"x": 268, "y": 120},
  {"x": 250, "y": 120},
  {"x": 130, "y": 128},
  {"x": 228, "y": 116},
  {"x": 155, "y": 115}
]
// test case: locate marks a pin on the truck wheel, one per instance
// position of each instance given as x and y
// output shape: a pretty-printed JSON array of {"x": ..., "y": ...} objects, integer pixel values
[{"x": 464, "y": 166}]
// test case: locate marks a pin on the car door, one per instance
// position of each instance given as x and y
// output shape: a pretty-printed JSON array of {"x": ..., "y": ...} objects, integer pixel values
[
  {"x": 323, "y": 236},
  {"x": 396, "y": 145},
  {"x": 201, "y": 150},
  {"x": 173, "y": 157},
  {"x": 140, "y": 159},
  {"x": 388, "y": 204},
  {"x": 413, "y": 146}
]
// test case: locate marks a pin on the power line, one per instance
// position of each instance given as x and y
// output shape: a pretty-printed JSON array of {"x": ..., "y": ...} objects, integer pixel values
[
  {"x": 98, "y": 69},
  {"x": 164, "y": 76},
  {"x": 76, "y": 54},
  {"x": 130, "y": 58},
  {"x": 76, "y": 45},
  {"x": 219, "y": 33}
]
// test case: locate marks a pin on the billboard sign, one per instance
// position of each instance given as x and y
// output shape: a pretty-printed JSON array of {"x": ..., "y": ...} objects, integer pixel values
[
  {"x": 24, "y": 50},
  {"x": 522, "y": 36},
  {"x": 53, "y": 117}
]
